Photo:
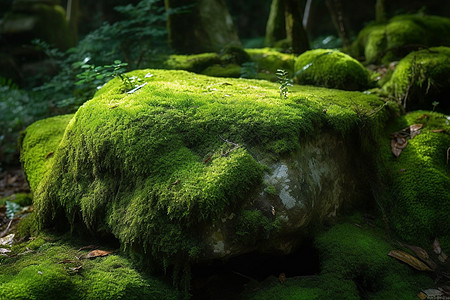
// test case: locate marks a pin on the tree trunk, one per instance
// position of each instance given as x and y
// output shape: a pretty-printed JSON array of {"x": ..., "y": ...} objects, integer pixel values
[
  {"x": 294, "y": 26},
  {"x": 72, "y": 15},
  {"x": 204, "y": 26},
  {"x": 380, "y": 11},
  {"x": 339, "y": 20},
  {"x": 276, "y": 26}
]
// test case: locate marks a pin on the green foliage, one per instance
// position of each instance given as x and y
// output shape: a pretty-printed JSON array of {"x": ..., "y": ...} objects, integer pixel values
[
  {"x": 21, "y": 199},
  {"x": 249, "y": 70},
  {"x": 284, "y": 82},
  {"x": 332, "y": 69}
]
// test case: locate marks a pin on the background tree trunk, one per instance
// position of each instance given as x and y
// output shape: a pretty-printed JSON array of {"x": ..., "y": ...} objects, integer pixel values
[
  {"x": 338, "y": 17},
  {"x": 203, "y": 26},
  {"x": 380, "y": 11},
  {"x": 73, "y": 13},
  {"x": 294, "y": 26},
  {"x": 276, "y": 26}
]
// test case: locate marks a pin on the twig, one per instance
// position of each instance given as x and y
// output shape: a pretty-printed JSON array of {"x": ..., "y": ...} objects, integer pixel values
[
  {"x": 235, "y": 146},
  {"x": 448, "y": 154},
  {"x": 4, "y": 232}
]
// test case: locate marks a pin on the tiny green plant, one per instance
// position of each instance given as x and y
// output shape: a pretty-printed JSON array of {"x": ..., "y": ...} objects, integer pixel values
[
  {"x": 284, "y": 82},
  {"x": 435, "y": 103}
]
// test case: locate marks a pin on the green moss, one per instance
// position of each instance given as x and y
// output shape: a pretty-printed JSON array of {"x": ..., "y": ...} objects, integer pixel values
[
  {"x": 422, "y": 78},
  {"x": 230, "y": 70},
  {"x": 39, "y": 275},
  {"x": 228, "y": 62},
  {"x": 252, "y": 225},
  {"x": 152, "y": 167},
  {"x": 401, "y": 35},
  {"x": 416, "y": 197},
  {"x": 332, "y": 69},
  {"x": 42, "y": 138},
  {"x": 194, "y": 63},
  {"x": 23, "y": 199},
  {"x": 27, "y": 226},
  {"x": 360, "y": 255}
]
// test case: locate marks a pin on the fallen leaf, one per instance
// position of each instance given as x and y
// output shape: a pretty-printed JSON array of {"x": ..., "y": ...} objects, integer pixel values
[
  {"x": 414, "y": 130},
  {"x": 422, "y": 254},
  {"x": 438, "y": 130},
  {"x": 437, "y": 246},
  {"x": 397, "y": 145},
  {"x": 409, "y": 259},
  {"x": 11, "y": 179},
  {"x": 282, "y": 277},
  {"x": 49, "y": 155},
  {"x": 7, "y": 240},
  {"x": 76, "y": 269},
  {"x": 433, "y": 294},
  {"x": 442, "y": 257},
  {"x": 98, "y": 253},
  {"x": 422, "y": 296},
  {"x": 87, "y": 247}
]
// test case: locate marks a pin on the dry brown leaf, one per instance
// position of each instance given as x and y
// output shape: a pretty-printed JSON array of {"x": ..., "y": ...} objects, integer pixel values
[
  {"x": 422, "y": 296},
  {"x": 422, "y": 254},
  {"x": 442, "y": 257},
  {"x": 409, "y": 259},
  {"x": 437, "y": 246},
  {"x": 424, "y": 116},
  {"x": 98, "y": 253},
  {"x": 88, "y": 247},
  {"x": 438, "y": 130},
  {"x": 282, "y": 277},
  {"x": 397, "y": 145},
  {"x": 76, "y": 269},
  {"x": 415, "y": 130}
]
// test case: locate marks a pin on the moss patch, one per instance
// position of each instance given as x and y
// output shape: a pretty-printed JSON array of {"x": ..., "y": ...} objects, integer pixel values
[
  {"x": 416, "y": 198},
  {"x": 332, "y": 69},
  {"x": 22, "y": 199},
  {"x": 265, "y": 63},
  {"x": 43, "y": 138},
  {"x": 354, "y": 265},
  {"x": 39, "y": 275},
  {"x": 153, "y": 167},
  {"x": 401, "y": 35},
  {"x": 422, "y": 78}
]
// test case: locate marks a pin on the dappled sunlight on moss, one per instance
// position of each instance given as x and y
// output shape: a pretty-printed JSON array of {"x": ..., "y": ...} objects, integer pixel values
[{"x": 416, "y": 198}]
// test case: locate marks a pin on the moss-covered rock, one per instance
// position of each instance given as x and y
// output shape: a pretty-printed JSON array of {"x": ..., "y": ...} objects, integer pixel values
[
  {"x": 43, "y": 138},
  {"x": 354, "y": 265},
  {"x": 416, "y": 194},
  {"x": 163, "y": 167},
  {"x": 421, "y": 78},
  {"x": 401, "y": 35},
  {"x": 41, "y": 275},
  {"x": 332, "y": 69},
  {"x": 232, "y": 62}
]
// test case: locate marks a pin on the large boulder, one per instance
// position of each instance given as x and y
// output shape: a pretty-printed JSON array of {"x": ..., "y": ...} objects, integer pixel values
[
  {"x": 402, "y": 34},
  {"x": 332, "y": 69},
  {"x": 190, "y": 167},
  {"x": 421, "y": 79}
]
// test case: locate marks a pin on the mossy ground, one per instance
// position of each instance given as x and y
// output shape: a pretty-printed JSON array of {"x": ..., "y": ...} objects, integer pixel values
[
  {"x": 332, "y": 69},
  {"x": 153, "y": 166},
  {"x": 41, "y": 275},
  {"x": 416, "y": 185},
  {"x": 421, "y": 78},
  {"x": 383, "y": 43},
  {"x": 354, "y": 265}
]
